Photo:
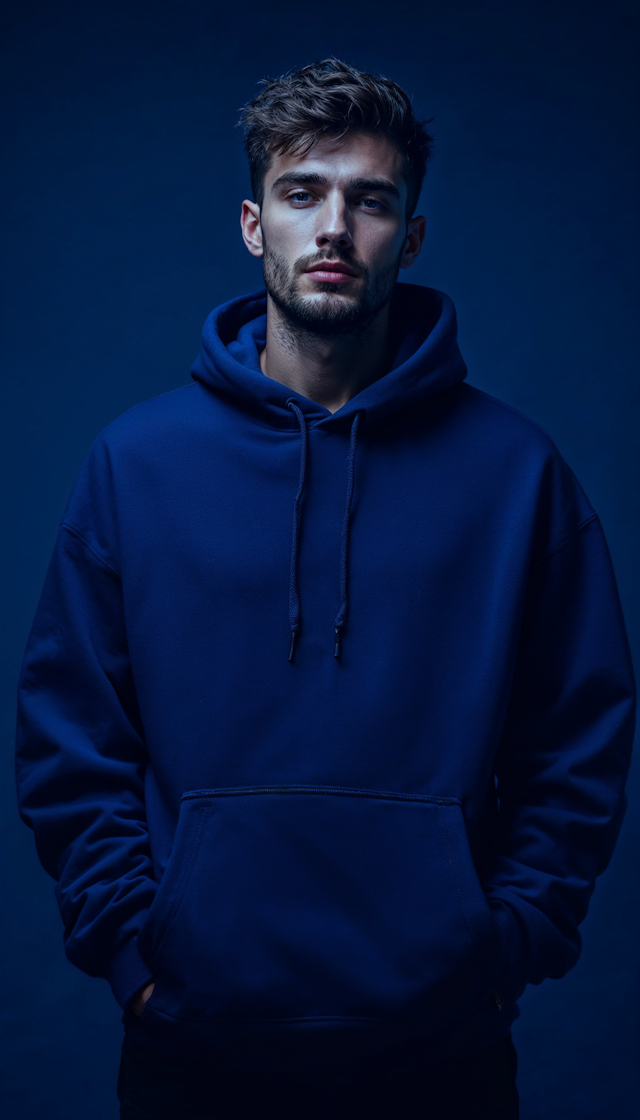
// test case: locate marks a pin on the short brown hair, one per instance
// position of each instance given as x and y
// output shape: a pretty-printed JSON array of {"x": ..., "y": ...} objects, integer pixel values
[{"x": 330, "y": 99}]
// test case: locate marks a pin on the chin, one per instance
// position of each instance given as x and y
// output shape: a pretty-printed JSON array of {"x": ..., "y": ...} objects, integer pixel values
[
  {"x": 326, "y": 303},
  {"x": 330, "y": 297},
  {"x": 323, "y": 312},
  {"x": 326, "y": 294}
]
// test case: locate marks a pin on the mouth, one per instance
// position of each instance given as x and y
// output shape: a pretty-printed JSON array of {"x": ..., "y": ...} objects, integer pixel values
[{"x": 331, "y": 272}]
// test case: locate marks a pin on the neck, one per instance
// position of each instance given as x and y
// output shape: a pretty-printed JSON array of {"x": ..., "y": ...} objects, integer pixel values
[{"x": 327, "y": 370}]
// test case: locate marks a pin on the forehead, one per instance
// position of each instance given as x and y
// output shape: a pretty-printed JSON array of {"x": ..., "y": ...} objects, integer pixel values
[{"x": 357, "y": 155}]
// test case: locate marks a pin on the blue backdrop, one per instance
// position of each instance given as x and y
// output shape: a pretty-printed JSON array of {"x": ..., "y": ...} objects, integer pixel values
[{"x": 124, "y": 179}]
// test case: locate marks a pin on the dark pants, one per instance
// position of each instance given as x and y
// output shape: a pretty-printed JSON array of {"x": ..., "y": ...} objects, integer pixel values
[{"x": 480, "y": 1085}]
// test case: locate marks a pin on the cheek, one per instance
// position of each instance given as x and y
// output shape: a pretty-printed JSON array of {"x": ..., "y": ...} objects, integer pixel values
[
  {"x": 290, "y": 239},
  {"x": 379, "y": 248}
]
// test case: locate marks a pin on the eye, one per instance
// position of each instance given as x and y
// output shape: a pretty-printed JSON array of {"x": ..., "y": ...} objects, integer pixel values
[
  {"x": 300, "y": 196},
  {"x": 372, "y": 203}
]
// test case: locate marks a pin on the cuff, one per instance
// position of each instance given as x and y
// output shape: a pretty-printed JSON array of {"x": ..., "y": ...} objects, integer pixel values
[{"x": 128, "y": 973}]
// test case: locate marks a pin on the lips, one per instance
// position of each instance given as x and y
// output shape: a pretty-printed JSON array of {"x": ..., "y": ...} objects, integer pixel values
[{"x": 331, "y": 271}]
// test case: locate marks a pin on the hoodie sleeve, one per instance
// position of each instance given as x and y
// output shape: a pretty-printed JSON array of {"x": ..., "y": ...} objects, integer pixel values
[
  {"x": 81, "y": 760},
  {"x": 563, "y": 759}
]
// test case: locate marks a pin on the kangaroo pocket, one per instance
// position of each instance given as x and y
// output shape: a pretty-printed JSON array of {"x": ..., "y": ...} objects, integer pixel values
[{"x": 312, "y": 903}]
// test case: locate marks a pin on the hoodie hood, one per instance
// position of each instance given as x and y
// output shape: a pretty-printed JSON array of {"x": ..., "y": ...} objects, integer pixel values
[{"x": 427, "y": 359}]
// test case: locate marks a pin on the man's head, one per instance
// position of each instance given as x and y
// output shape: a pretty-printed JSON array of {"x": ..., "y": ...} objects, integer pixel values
[{"x": 337, "y": 159}]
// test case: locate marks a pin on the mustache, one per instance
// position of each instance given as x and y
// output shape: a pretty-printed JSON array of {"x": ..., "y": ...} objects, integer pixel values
[{"x": 303, "y": 263}]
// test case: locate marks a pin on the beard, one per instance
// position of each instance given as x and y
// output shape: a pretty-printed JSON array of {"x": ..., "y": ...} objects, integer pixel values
[{"x": 334, "y": 313}]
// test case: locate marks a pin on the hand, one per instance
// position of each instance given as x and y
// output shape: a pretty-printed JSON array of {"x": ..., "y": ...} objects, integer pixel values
[{"x": 139, "y": 1003}]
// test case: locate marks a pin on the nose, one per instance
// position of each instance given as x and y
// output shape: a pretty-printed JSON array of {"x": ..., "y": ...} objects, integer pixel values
[{"x": 333, "y": 224}]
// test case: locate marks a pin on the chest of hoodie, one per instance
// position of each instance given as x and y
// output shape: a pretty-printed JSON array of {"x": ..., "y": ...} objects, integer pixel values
[{"x": 437, "y": 561}]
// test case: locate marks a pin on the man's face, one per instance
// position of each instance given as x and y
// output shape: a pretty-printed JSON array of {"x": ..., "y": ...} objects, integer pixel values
[{"x": 332, "y": 232}]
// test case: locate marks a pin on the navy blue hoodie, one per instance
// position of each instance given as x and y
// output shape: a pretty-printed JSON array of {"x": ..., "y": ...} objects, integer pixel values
[{"x": 325, "y": 718}]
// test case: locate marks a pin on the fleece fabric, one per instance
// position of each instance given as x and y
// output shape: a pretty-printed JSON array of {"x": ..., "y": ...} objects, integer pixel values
[{"x": 325, "y": 719}]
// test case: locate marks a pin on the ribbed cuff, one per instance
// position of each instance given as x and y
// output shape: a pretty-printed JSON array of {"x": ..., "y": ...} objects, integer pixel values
[{"x": 128, "y": 973}]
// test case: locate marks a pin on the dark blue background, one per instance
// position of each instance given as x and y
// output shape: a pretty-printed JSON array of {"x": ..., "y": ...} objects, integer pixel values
[{"x": 124, "y": 180}]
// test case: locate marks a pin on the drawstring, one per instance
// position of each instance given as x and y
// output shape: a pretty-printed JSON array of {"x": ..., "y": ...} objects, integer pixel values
[
  {"x": 344, "y": 545},
  {"x": 294, "y": 596}
]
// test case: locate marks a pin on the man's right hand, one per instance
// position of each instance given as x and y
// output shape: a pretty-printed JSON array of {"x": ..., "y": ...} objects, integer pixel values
[{"x": 139, "y": 1003}]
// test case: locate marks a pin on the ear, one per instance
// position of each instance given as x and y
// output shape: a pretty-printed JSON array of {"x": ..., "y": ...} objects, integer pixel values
[
  {"x": 251, "y": 228},
  {"x": 413, "y": 244}
]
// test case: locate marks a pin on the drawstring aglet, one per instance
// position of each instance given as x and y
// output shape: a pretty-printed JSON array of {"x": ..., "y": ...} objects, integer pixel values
[
  {"x": 336, "y": 649},
  {"x": 294, "y": 634}
]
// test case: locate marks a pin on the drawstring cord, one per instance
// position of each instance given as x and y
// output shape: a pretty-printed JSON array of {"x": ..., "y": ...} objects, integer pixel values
[
  {"x": 294, "y": 594},
  {"x": 344, "y": 545}
]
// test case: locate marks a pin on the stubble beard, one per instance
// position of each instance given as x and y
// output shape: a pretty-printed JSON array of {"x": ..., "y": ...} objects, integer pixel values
[{"x": 331, "y": 316}]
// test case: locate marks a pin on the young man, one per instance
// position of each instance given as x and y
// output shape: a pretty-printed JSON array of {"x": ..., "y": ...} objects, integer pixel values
[{"x": 327, "y": 708}]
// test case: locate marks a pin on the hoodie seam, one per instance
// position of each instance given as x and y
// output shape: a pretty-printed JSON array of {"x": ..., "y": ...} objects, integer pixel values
[
  {"x": 578, "y": 529},
  {"x": 104, "y": 563}
]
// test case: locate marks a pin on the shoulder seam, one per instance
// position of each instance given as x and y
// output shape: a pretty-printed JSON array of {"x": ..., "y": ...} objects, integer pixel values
[
  {"x": 578, "y": 529},
  {"x": 101, "y": 559}
]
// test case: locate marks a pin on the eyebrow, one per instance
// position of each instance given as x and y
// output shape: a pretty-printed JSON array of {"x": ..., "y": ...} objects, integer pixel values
[{"x": 312, "y": 178}]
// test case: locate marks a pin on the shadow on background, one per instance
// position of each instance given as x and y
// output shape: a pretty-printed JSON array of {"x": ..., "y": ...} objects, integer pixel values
[{"x": 124, "y": 179}]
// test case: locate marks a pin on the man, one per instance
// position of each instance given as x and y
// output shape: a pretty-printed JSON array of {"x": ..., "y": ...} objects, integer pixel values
[{"x": 327, "y": 708}]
